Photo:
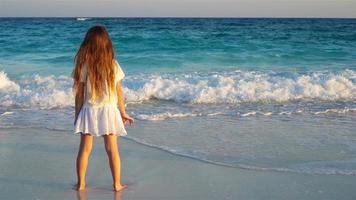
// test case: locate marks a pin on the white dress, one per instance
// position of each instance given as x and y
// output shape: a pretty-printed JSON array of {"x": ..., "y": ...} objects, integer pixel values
[{"x": 101, "y": 117}]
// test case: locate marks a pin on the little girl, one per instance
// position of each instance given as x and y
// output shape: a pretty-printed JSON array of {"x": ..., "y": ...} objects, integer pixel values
[{"x": 99, "y": 102}]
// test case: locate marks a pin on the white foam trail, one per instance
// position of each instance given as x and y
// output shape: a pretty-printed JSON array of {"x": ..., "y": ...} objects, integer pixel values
[
  {"x": 164, "y": 116},
  {"x": 168, "y": 115},
  {"x": 249, "y": 114},
  {"x": 338, "y": 111},
  {"x": 285, "y": 113},
  {"x": 300, "y": 169},
  {"x": 253, "y": 113},
  {"x": 299, "y": 111},
  {"x": 7, "y": 113},
  {"x": 172, "y": 115},
  {"x": 268, "y": 113}
]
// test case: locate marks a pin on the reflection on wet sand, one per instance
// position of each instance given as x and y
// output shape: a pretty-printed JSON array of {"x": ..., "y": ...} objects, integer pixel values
[{"x": 82, "y": 195}]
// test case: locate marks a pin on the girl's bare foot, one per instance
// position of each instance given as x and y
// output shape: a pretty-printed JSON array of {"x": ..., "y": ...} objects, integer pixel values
[
  {"x": 80, "y": 187},
  {"x": 119, "y": 187}
]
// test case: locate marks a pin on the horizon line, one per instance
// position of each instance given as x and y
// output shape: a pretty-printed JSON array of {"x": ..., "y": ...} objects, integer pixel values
[{"x": 182, "y": 17}]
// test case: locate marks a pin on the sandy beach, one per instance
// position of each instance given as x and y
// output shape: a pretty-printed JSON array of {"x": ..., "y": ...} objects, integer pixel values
[{"x": 40, "y": 164}]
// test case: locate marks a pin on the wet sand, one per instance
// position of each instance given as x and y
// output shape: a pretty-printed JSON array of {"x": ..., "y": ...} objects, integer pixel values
[{"x": 40, "y": 164}]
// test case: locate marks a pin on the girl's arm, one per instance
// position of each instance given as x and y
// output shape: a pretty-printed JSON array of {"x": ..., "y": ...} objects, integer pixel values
[
  {"x": 121, "y": 104},
  {"x": 79, "y": 100}
]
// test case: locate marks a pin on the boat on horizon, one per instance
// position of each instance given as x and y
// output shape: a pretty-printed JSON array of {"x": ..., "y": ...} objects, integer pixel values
[{"x": 82, "y": 18}]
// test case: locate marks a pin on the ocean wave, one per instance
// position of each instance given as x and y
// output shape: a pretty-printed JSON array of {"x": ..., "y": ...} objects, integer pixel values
[
  {"x": 242, "y": 86},
  {"x": 49, "y": 92},
  {"x": 6, "y": 85},
  {"x": 46, "y": 92}
]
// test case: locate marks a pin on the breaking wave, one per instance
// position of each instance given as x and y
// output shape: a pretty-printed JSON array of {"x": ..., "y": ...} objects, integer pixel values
[
  {"x": 240, "y": 87},
  {"x": 48, "y": 92}
]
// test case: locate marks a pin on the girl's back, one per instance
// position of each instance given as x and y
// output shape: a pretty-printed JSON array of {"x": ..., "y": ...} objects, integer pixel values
[
  {"x": 107, "y": 96},
  {"x": 97, "y": 75}
]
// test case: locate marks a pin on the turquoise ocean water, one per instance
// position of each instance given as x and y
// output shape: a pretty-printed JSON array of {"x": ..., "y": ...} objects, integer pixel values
[{"x": 281, "y": 75}]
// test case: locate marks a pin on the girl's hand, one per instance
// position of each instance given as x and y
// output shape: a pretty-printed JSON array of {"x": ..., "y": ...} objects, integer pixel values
[{"x": 127, "y": 119}]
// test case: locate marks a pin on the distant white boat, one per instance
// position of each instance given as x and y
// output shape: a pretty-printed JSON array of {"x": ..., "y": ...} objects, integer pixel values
[{"x": 82, "y": 18}]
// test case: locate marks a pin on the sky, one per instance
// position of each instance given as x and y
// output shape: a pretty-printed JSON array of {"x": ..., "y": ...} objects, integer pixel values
[{"x": 178, "y": 8}]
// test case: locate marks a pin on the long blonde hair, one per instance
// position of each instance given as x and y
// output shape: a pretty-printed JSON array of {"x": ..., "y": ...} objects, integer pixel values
[{"x": 96, "y": 51}]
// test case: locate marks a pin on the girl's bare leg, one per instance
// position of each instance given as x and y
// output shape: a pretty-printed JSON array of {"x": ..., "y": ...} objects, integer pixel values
[
  {"x": 86, "y": 144},
  {"x": 114, "y": 160}
]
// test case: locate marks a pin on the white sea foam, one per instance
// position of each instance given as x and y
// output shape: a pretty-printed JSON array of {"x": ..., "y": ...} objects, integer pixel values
[
  {"x": 6, "y": 85},
  {"x": 173, "y": 115},
  {"x": 168, "y": 115},
  {"x": 249, "y": 114},
  {"x": 335, "y": 110},
  {"x": 241, "y": 87},
  {"x": 254, "y": 113},
  {"x": 285, "y": 113},
  {"x": 216, "y": 88},
  {"x": 42, "y": 92},
  {"x": 6, "y": 113}
]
